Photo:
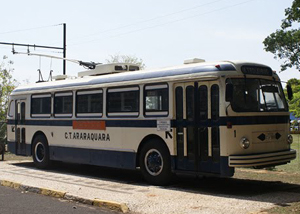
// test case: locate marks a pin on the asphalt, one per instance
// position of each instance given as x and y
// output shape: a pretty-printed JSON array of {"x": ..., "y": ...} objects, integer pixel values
[{"x": 23, "y": 202}]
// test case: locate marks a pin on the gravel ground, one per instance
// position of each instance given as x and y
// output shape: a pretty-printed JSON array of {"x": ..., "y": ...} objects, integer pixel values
[{"x": 185, "y": 195}]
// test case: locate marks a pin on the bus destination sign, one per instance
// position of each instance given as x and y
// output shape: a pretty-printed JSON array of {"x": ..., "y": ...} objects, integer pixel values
[{"x": 256, "y": 70}]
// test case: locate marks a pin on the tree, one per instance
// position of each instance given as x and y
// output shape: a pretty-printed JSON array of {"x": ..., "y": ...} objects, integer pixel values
[
  {"x": 294, "y": 104},
  {"x": 285, "y": 42},
  {"x": 7, "y": 85},
  {"x": 126, "y": 59}
]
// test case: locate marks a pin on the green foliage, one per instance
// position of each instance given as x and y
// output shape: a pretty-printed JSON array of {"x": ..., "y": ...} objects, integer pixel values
[
  {"x": 126, "y": 59},
  {"x": 7, "y": 84},
  {"x": 294, "y": 104},
  {"x": 285, "y": 42}
]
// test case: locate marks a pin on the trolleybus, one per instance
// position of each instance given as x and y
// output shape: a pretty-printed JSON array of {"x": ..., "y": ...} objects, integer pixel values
[{"x": 199, "y": 117}]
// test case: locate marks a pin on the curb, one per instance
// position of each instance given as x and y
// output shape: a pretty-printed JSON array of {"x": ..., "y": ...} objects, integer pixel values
[{"x": 121, "y": 207}]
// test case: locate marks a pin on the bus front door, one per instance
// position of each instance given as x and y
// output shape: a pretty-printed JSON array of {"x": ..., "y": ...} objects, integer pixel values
[
  {"x": 19, "y": 127},
  {"x": 197, "y": 129}
]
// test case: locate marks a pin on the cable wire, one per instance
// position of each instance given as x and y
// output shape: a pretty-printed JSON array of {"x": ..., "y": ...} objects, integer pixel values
[
  {"x": 28, "y": 29},
  {"x": 147, "y": 20},
  {"x": 166, "y": 23}
]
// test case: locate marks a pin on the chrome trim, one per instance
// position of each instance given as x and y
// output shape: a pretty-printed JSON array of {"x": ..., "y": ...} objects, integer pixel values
[{"x": 275, "y": 158}]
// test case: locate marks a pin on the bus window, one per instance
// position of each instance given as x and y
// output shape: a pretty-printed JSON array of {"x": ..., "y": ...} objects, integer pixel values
[
  {"x": 190, "y": 116},
  {"x": 254, "y": 95},
  {"x": 89, "y": 103},
  {"x": 11, "y": 109},
  {"x": 41, "y": 105},
  {"x": 63, "y": 104},
  {"x": 123, "y": 101},
  {"x": 203, "y": 117},
  {"x": 156, "y": 100}
]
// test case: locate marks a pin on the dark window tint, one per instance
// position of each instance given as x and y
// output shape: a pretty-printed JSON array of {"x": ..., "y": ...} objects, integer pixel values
[
  {"x": 89, "y": 103},
  {"x": 179, "y": 103},
  {"x": 41, "y": 105},
  {"x": 257, "y": 95},
  {"x": 23, "y": 113},
  {"x": 215, "y": 138},
  {"x": 63, "y": 104},
  {"x": 215, "y": 102},
  {"x": 203, "y": 130},
  {"x": 203, "y": 102},
  {"x": 190, "y": 105},
  {"x": 123, "y": 101},
  {"x": 156, "y": 100},
  {"x": 190, "y": 116}
]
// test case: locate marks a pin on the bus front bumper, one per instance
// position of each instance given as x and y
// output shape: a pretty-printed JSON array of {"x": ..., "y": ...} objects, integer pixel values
[{"x": 266, "y": 159}]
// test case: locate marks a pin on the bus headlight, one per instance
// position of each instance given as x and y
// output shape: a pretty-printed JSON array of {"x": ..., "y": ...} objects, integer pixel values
[
  {"x": 245, "y": 143},
  {"x": 290, "y": 139}
]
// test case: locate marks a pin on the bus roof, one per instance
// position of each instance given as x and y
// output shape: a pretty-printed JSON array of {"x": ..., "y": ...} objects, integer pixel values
[{"x": 215, "y": 68}]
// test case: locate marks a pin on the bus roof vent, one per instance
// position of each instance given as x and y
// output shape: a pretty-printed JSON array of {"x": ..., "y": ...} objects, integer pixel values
[
  {"x": 60, "y": 77},
  {"x": 195, "y": 60},
  {"x": 111, "y": 68}
]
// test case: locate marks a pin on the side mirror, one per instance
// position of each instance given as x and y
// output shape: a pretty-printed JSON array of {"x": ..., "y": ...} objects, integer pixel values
[
  {"x": 289, "y": 92},
  {"x": 229, "y": 92}
]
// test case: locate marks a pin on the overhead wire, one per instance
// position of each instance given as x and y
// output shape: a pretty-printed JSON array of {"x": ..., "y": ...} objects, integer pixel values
[
  {"x": 147, "y": 20},
  {"x": 28, "y": 29},
  {"x": 166, "y": 23}
]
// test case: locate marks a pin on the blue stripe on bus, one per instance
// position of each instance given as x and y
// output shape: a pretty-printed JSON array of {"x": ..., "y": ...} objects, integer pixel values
[{"x": 223, "y": 121}]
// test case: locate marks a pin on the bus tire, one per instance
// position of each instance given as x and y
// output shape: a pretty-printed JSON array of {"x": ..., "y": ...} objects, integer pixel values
[
  {"x": 155, "y": 163},
  {"x": 40, "y": 152}
]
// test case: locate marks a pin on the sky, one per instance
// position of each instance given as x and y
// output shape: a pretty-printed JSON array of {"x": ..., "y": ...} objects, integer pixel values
[{"x": 161, "y": 33}]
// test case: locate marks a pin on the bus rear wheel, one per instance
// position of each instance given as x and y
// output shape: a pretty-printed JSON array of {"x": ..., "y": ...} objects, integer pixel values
[
  {"x": 155, "y": 163},
  {"x": 40, "y": 152}
]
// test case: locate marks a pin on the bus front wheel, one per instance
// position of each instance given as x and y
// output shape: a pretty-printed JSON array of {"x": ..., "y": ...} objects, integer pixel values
[
  {"x": 155, "y": 163},
  {"x": 40, "y": 152}
]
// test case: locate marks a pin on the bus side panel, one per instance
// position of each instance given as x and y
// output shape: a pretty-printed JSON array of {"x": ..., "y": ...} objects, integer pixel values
[
  {"x": 114, "y": 147},
  {"x": 116, "y": 159}
]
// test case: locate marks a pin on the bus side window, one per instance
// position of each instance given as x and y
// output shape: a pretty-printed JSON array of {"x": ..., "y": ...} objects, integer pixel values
[
  {"x": 41, "y": 105},
  {"x": 123, "y": 101},
  {"x": 22, "y": 112},
  {"x": 11, "y": 110},
  {"x": 63, "y": 104},
  {"x": 156, "y": 100},
  {"x": 89, "y": 103}
]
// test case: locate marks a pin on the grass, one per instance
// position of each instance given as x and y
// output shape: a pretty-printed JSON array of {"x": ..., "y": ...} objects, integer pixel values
[
  {"x": 288, "y": 173},
  {"x": 292, "y": 208},
  {"x": 294, "y": 166}
]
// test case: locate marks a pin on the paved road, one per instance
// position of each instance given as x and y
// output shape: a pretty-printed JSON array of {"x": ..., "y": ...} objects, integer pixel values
[{"x": 16, "y": 202}]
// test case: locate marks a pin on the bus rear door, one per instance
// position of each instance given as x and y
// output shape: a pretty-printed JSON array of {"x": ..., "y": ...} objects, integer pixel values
[{"x": 20, "y": 127}]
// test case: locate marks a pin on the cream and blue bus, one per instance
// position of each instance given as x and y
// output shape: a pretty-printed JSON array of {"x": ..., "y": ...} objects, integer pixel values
[{"x": 197, "y": 118}]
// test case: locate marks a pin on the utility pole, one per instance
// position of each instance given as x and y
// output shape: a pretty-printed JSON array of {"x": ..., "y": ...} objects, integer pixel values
[{"x": 64, "y": 47}]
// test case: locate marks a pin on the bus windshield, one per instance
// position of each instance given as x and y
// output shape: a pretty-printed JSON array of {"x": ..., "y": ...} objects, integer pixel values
[{"x": 257, "y": 95}]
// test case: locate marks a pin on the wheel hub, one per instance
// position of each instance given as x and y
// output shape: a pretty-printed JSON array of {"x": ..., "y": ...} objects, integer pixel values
[{"x": 154, "y": 162}]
